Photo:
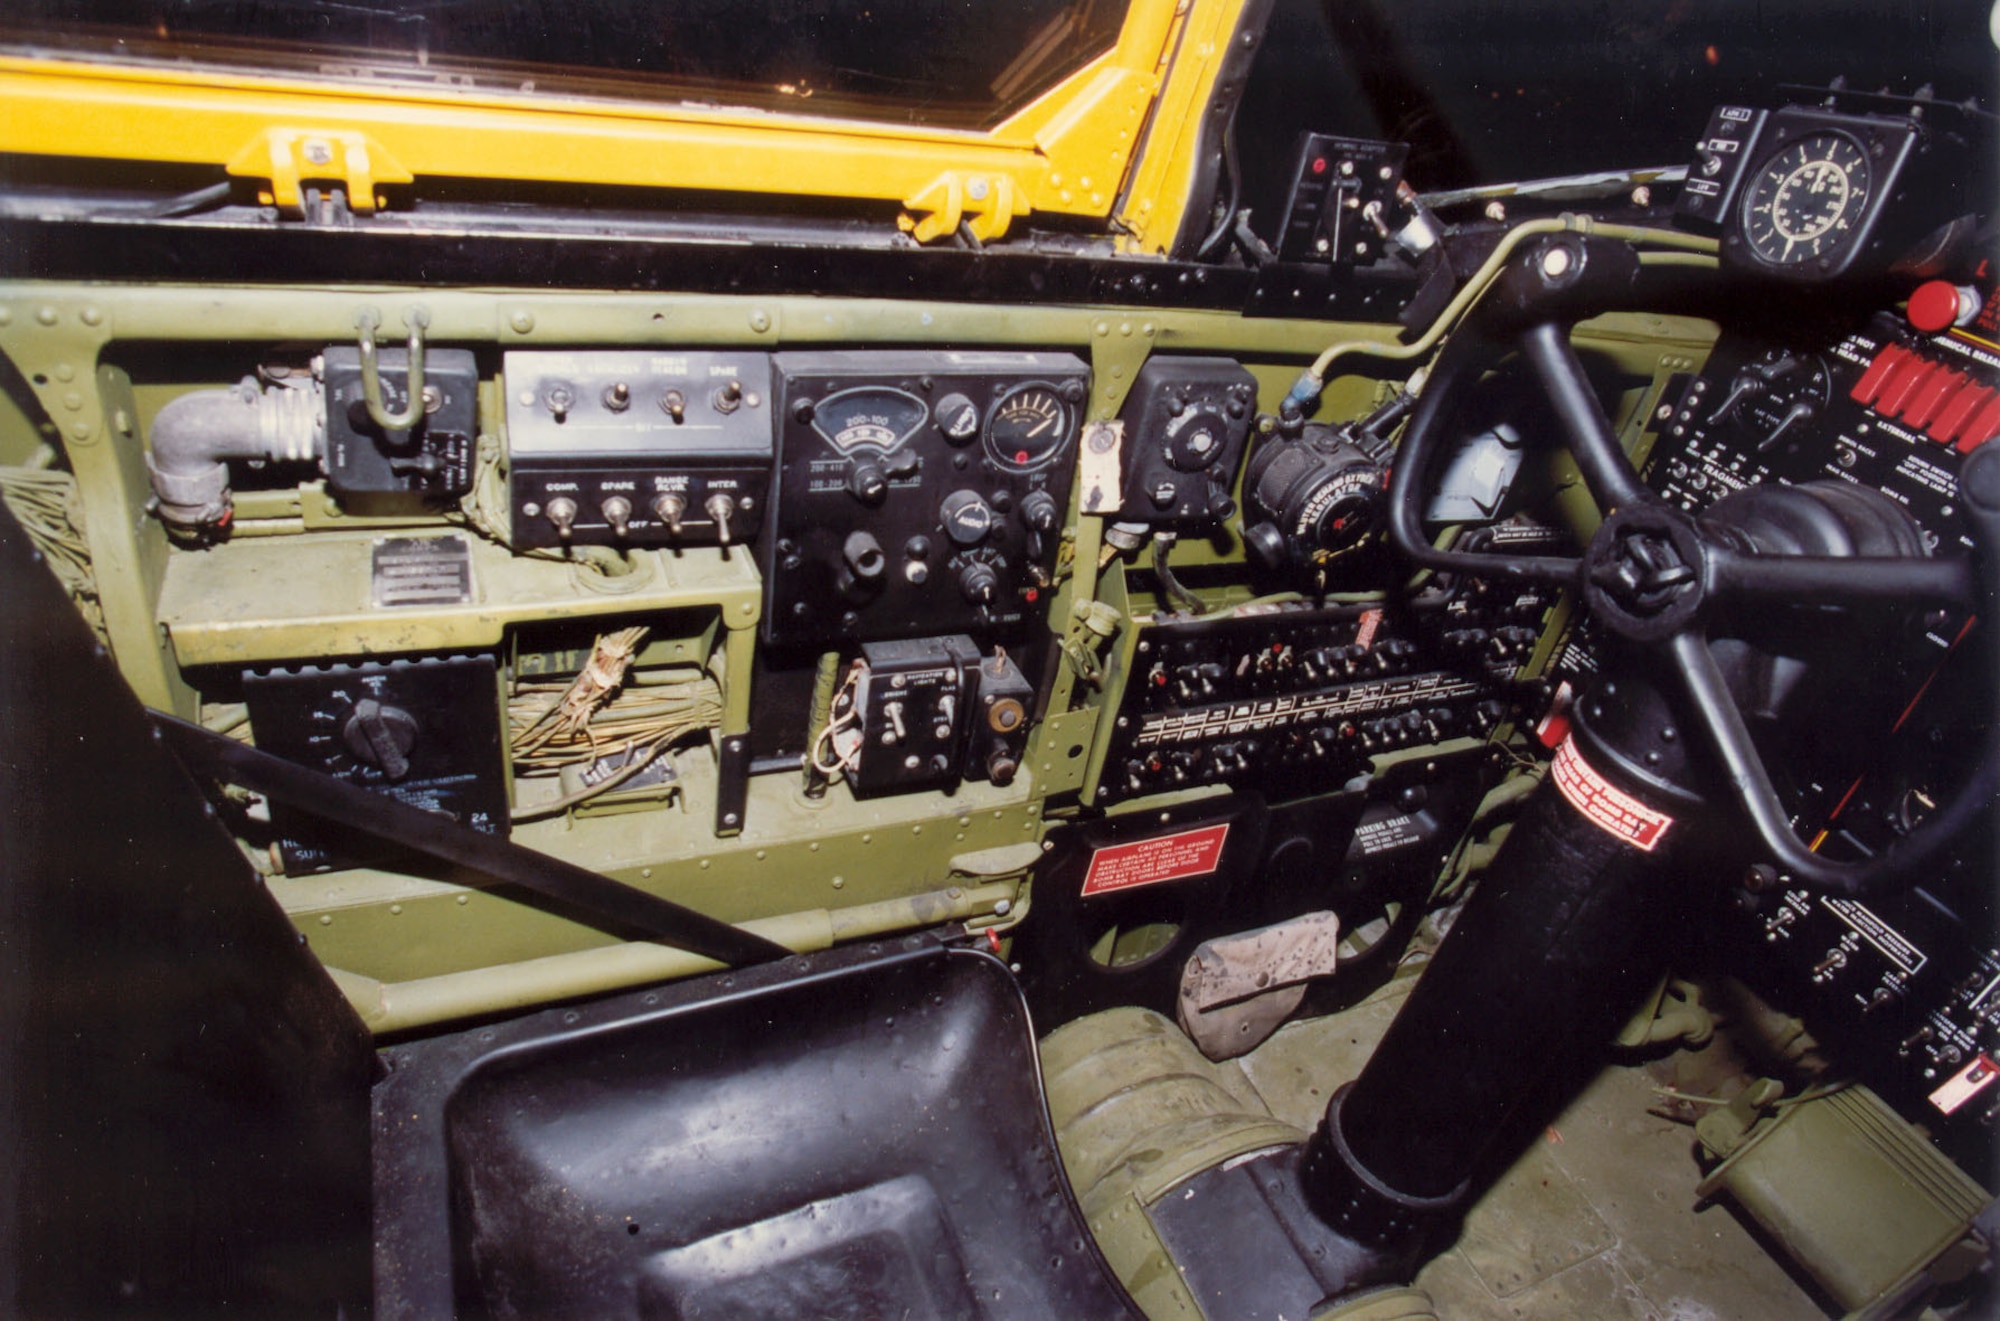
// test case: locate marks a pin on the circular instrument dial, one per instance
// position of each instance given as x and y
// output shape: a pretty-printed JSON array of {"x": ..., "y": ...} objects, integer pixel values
[
  {"x": 1807, "y": 199},
  {"x": 1028, "y": 428}
]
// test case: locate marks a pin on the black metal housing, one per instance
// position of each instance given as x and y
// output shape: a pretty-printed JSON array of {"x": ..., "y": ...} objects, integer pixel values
[
  {"x": 185, "y": 1097},
  {"x": 855, "y": 1133}
]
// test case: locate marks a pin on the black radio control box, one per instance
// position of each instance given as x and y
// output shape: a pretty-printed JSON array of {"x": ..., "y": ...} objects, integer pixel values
[{"x": 431, "y": 457}]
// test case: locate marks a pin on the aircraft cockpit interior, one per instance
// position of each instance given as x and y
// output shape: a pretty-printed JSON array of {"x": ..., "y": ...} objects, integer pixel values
[{"x": 1213, "y": 660}]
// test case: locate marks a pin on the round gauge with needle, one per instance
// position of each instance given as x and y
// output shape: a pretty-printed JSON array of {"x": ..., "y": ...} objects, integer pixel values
[
  {"x": 1807, "y": 200},
  {"x": 1029, "y": 427}
]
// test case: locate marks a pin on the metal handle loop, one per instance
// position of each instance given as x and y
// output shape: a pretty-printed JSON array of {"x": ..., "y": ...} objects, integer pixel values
[{"x": 367, "y": 321}]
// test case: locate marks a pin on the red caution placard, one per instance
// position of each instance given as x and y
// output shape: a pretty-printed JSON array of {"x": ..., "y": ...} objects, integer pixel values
[
  {"x": 1365, "y": 631},
  {"x": 1967, "y": 1083},
  {"x": 1151, "y": 861},
  {"x": 1608, "y": 807}
]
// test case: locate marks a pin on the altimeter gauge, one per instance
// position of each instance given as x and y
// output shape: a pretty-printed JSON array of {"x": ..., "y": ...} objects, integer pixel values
[{"x": 1807, "y": 201}]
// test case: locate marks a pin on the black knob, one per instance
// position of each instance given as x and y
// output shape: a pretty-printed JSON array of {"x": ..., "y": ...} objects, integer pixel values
[
  {"x": 867, "y": 482},
  {"x": 381, "y": 736},
  {"x": 863, "y": 556},
  {"x": 978, "y": 583},
  {"x": 1198, "y": 442},
  {"x": 966, "y": 516},
  {"x": 957, "y": 418},
  {"x": 1038, "y": 511},
  {"x": 425, "y": 464},
  {"x": 1001, "y": 765},
  {"x": 1266, "y": 543}
]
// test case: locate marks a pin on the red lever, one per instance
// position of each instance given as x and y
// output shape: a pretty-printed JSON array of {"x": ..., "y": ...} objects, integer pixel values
[
  {"x": 1903, "y": 384},
  {"x": 1984, "y": 426},
  {"x": 1870, "y": 385},
  {"x": 1957, "y": 411},
  {"x": 1932, "y": 396}
]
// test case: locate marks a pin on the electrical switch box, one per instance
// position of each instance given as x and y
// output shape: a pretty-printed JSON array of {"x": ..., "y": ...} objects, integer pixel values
[
  {"x": 433, "y": 456},
  {"x": 616, "y": 448},
  {"x": 913, "y": 697},
  {"x": 1186, "y": 422},
  {"x": 999, "y": 733}
]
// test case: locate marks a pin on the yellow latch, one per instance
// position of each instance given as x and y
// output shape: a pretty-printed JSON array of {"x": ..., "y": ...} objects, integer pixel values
[
  {"x": 986, "y": 202},
  {"x": 290, "y": 156}
]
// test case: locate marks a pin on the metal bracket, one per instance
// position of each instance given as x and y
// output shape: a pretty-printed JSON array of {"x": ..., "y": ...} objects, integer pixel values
[
  {"x": 732, "y": 784},
  {"x": 986, "y": 202},
  {"x": 290, "y": 156}
]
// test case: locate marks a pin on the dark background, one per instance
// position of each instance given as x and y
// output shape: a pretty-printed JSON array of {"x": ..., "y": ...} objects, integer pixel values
[{"x": 1488, "y": 92}]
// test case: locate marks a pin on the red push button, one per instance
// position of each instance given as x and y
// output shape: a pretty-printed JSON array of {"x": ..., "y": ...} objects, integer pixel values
[
  {"x": 1877, "y": 372},
  {"x": 1957, "y": 411},
  {"x": 1938, "y": 305}
]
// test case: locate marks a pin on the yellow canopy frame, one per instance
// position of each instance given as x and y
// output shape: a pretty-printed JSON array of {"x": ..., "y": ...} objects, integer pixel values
[{"x": 1074, "y": 151}]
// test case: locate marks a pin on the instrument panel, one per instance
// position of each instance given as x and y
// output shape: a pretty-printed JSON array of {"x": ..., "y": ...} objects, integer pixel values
[
  {"x": 1904, "y": 982},
  {"x": 1806, "y": 198}
]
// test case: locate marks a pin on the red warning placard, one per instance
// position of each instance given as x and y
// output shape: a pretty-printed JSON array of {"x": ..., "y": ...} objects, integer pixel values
[
  {"x": 1365, "y": 630},
  {"x": 1967, "y": 1083},
  {"x": 1150, "y": 861},
  {"x": 1608, "y": 807}
]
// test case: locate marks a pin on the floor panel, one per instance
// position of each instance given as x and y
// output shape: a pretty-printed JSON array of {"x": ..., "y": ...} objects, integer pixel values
[{"x": 1599, "y": 1219}]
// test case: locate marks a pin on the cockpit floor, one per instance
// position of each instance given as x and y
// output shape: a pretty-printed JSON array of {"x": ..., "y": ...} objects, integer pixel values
[{"x": 1598, "y": 1219}]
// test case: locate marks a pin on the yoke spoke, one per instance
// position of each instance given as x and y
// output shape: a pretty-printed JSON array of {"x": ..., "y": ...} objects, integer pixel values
[
  {"x": 1605, "y": 468},
  {"x": 1742, "y": 766}
]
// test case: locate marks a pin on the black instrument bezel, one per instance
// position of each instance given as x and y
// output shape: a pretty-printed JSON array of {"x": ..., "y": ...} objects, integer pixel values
[{"x": 1888, "y": 146}]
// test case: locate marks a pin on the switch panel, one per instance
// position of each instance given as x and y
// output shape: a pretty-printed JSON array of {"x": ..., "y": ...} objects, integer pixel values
[
  {"x": 1716, "y": 176},
  {"x": 918, "y": 491},
  {"x": 999, "y": 734},
  {"x": 1294, "y": 698},
  {"x": 637, "y": 448},
  {"x": 1343, "y": 206}
]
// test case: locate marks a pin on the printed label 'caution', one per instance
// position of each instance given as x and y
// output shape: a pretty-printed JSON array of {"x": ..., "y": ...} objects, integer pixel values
[
  {"x": 1608, "y": 807},
  {"x": 1150, "y": 861}
]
